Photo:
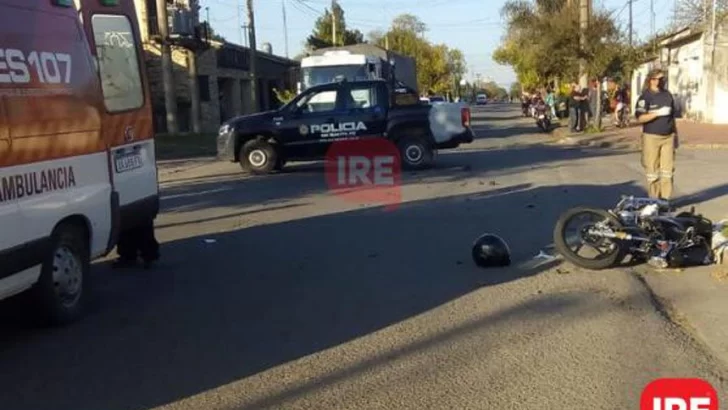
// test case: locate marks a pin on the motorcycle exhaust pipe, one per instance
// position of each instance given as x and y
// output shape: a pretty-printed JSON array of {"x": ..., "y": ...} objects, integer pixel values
[{"x": 620, "y": 235}]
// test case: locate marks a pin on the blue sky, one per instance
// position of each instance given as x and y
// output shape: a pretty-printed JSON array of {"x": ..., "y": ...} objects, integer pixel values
[{"x": 473, "y": 26}]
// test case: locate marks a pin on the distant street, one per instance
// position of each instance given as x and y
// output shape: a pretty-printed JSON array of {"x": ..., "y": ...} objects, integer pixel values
[{"x": 272, "y": 293}]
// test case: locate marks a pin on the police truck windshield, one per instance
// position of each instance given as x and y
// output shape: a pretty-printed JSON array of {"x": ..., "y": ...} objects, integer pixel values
[{"x": 322, "y": 75}]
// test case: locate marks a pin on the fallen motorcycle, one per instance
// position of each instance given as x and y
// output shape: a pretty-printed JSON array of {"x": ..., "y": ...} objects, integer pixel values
[{"x": 642, "y": 228}]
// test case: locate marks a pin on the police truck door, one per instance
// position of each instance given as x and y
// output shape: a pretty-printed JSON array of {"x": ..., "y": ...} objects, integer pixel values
[
  {"x": 306, "y": 130},
  {"x": 366, "y": 110}
]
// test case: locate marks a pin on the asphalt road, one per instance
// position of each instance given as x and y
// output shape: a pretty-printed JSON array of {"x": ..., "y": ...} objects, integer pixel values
[{"x": 274, "y": 294}]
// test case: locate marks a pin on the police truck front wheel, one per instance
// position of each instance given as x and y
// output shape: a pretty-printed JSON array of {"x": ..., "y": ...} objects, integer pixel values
[
  {"x": 258, "y": 157},
  {"x": 416, "y": 153},
  {"x": 61, "y": 292}
]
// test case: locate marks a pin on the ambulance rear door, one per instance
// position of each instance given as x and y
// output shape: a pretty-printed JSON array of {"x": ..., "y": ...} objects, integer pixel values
[{"x": 127, "y": 123}]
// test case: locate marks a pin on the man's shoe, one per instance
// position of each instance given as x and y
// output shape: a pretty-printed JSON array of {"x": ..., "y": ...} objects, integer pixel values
[{"x": 124, "y": 263}]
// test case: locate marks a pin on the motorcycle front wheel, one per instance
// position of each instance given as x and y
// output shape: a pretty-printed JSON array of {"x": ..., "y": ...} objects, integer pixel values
[{"x": 605, "y": 253}]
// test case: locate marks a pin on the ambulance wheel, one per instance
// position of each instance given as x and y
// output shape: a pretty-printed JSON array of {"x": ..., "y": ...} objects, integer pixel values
[
  {"x": 416, "y": 153},
  {"x": 258, "y": 157},
  {"x": 60, "y": 295}
]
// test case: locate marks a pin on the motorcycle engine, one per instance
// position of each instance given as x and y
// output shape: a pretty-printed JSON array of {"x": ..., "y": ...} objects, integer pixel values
[
  {"x": 691, "y": 242},
  {"x": 678, "y": 242},
  {"x": 695, "y": 255}
]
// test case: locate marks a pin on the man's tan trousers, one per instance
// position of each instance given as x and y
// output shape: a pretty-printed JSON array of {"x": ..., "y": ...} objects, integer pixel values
[{"x": 658, "y": 159}]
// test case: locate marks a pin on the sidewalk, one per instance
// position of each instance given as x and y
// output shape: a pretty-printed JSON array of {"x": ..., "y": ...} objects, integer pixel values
[{"x": 692, "y": 135}]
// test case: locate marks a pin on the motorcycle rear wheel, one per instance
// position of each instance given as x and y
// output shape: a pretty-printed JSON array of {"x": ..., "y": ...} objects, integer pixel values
[{"x": 604, "y": 260}]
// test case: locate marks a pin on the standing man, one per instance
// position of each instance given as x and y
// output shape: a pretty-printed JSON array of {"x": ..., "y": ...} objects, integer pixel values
[
  {"x": 576, "y": 100},
  {"x": 592, "y": 100},
  {"x": 551, "y": 102},
  {"x": 656, "y": 112},
  {"x": 135, "y": 243}
]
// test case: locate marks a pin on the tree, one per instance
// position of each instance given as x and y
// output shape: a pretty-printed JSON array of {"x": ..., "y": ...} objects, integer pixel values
[
  {"x": 515, "y": 91},
  {"x": 691, "y": 12},
  {"x": 541, "y": 41},
  {"x": 323, "y": 32},
  {"x": 376, "y": 36},
  {"x": 493, "y": 90},
  {"x": 439, "y": 68},
  {"x": 409, "y": 23}
]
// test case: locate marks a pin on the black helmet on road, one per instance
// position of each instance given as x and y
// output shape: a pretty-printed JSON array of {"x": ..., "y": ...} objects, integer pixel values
[{"x": 491, "y": 251}]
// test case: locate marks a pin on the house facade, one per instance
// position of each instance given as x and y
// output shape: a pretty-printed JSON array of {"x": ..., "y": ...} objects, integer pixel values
[
  {"x": 697, "y": 72},
  {"x": 223, "y": 76}
]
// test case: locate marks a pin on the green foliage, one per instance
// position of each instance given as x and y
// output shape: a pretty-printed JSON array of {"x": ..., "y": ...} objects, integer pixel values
[
  {"x": 494, "y": 91},
  {"x": 284, "y": 96},
  {"x": 542, "y": 43},
  {"x": 439, "y": 68},
  {"x": 515, "y": 91},
  {"x": 323, "y": 32}
]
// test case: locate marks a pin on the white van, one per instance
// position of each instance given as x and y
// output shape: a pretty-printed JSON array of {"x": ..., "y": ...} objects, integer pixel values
[{"x": 481, "y": 99}]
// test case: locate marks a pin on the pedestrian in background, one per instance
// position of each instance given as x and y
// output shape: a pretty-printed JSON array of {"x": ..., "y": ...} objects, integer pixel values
[
  {"x": 576, "y": 101},
  {"x": 655, "y": 110},
  {"x": 551, "y": 101},
  {"x": 592, "y": 99}
]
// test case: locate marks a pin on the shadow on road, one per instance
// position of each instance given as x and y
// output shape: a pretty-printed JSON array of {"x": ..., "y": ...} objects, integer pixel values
[
  {"x": 702, "y": 196},
  {"x": 224, "y": 307},
  {"x": 302, "y": 180}
]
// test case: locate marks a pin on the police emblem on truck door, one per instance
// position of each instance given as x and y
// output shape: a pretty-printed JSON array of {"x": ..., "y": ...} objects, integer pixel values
[{"x": 344, "y": 129}]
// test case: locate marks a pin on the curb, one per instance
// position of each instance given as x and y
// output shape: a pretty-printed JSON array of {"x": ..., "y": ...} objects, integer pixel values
[
  {"x": 173, "y": 166},
  {"x": 561, "y": 138}
]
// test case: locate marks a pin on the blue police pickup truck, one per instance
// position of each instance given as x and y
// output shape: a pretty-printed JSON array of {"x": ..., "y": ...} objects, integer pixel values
[{"x": 305, "y": 128}]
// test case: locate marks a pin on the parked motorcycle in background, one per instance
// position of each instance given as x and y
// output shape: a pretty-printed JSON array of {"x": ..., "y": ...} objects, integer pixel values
[
  {"x": 543, "y": 117},
  {"x": 622, "y": 120},
  {"x": 526, "y": 108}
]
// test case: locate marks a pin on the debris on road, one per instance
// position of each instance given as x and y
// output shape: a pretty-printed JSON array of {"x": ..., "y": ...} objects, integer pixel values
[{"x": 544, "y": 255}]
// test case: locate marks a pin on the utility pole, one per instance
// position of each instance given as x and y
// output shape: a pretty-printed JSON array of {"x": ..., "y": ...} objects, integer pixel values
[
  {"x": 194, "y": 91},
  {"x": 193, "y": 79},
  {"x": 170, "y": 100},
  {"x": 652, "y": 18},
  {"x": 631, "y": 15},
  {"x": 240, "y": 19},
  {"x": 584, "y": 26},
  {"x": 285, "y": 25},
  {"x": 253, "y": 58},
  {"x": 333, "y": 23}
]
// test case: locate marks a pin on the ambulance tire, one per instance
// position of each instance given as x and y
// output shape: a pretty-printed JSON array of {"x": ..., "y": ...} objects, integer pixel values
[
  {"x": 258, "y": 157},
  {"x": 61, "y": 294},
  {"x": 416, "y": 153}
]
